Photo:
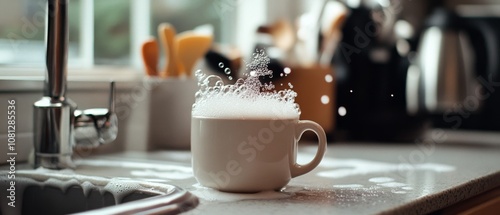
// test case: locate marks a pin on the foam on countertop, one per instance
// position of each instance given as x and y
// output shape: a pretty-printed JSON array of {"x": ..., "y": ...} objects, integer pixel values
[{"x": 210, "y": 194}]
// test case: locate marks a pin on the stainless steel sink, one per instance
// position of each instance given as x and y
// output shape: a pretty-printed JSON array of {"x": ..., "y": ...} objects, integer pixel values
[{"x": 44, "y": 191}]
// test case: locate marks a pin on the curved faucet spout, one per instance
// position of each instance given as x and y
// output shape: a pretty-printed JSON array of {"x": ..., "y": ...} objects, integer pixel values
[
  {"x": 57, "y": 125},
  {"x": 57, "y": 49}
]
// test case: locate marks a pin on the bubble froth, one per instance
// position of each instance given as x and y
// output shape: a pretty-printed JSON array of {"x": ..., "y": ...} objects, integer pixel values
[{"x": 247, "y": 97}]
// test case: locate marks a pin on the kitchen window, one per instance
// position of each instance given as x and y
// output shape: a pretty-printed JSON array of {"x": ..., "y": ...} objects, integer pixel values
[{"x": 111, "y": 38}]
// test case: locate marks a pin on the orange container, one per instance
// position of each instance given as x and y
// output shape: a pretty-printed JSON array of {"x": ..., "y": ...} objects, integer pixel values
[{"x": 315, "y": 86}]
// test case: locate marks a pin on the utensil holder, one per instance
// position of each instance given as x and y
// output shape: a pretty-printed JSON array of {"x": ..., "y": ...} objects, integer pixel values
[{"x": 170, "y": 103}]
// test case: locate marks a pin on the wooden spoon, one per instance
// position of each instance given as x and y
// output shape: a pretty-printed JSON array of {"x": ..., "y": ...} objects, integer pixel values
[
  {"x": 150, "y": 53},
  {"x": 167, "y": 33},
  {"x": 190, "y": 48}
]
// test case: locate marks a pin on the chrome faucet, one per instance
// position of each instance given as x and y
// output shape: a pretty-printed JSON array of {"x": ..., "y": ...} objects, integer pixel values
[{"x": 57, "y": 124}]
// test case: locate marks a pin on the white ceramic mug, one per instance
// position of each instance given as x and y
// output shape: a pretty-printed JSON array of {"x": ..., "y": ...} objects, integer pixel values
[{"x": 250, "y": 155}]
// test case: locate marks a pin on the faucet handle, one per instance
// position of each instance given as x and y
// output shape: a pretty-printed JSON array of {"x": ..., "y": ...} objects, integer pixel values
[
  {"x": 112, "y": 96},
  {"x": 97, "y": 126}
]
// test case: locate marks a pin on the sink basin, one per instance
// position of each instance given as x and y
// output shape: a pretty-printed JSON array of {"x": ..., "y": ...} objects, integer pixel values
[{"x": 44, "y": 191}]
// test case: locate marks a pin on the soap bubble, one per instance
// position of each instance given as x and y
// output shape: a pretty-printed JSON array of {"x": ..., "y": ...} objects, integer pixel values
[{"x": 247, "y": 96}]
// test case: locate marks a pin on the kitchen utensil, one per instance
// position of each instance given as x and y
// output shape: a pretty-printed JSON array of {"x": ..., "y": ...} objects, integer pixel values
[
  {"x": 307, "y": 46},
  {"x": 166, "y": 33},
  {"x": 190, "y": 47},
  {"x": 331, "y": 39},
  {"x": 150, "y": 56}
]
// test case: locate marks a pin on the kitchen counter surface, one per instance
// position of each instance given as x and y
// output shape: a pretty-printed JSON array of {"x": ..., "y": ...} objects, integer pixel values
[{"x": 354, "y": 178}]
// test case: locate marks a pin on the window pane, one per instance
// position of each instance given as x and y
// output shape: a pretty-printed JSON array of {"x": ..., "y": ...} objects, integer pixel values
[
  {"x": 22, "y": 31},
  {"x": 22, "y": 28},
  {"x": 112, "y": 32}
]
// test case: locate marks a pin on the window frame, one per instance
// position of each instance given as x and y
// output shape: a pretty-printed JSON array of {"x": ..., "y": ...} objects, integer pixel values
[
  {"x": 236, "y": 29},
  {"x": 83, "y": 67}
]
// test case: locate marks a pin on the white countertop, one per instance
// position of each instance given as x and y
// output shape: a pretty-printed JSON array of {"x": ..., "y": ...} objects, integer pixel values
[{"x": 354, "y": 178}]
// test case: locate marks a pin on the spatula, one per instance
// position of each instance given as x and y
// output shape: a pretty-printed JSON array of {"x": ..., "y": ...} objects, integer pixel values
[
  {"x": 191, "y": 47},
  {"x": 150, "y": 53},
  {"x": 167, "y": 32}
]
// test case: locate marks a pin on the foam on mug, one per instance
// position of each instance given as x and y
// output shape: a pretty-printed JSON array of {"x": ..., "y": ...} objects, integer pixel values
[{"x": 248, "y": 98}]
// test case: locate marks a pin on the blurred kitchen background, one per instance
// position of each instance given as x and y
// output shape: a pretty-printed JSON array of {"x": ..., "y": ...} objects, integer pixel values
[{"x": 394, "y": 68}]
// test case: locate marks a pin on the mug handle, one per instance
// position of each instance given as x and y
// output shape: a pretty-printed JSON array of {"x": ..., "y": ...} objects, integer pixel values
[{"x": 301, "y": 127}]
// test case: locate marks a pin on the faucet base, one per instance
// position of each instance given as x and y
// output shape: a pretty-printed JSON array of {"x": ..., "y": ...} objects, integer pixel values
[
  {"x": 51, "y": 161},
  {"x": 53, "y": 136}
]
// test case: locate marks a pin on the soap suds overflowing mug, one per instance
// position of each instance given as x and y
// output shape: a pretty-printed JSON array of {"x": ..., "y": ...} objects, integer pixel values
[
  {"x": 244, "y": 136},
  {"x": 250, "y": 154}
]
